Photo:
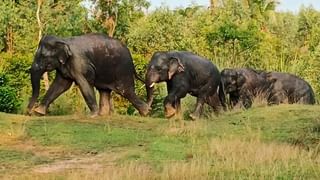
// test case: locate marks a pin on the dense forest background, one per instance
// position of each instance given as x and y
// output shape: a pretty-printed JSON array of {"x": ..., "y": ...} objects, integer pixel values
[{"x": 232, "y": 33}]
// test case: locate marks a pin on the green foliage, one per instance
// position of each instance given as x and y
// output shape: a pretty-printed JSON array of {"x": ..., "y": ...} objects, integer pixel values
[
  {"x": 246, "y": 33},
  {"x": 8, "y": 99},
  {"x": 17, "y": 69},
  {"x": 9, "y": 102},
  {"x": 124, "y": 11},
  {"x": 70, "y": 15},
  {"x": 160, "y": 31}
]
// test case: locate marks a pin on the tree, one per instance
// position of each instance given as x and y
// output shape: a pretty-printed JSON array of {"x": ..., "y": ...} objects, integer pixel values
[
  {"x": 213, "y": 5},
  {"x": 263, "y": 11},
  {"x": 45, "y": 75},
  {"x": 116, "y": 15}
]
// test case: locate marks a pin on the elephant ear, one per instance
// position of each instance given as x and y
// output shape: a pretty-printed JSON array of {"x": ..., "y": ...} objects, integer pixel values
[
  {"x": 270, "y": 78},
  {"x": 240, "y": 79},
  {"x": 175, "y": 66},
  {"x": 65, "y": 51}
]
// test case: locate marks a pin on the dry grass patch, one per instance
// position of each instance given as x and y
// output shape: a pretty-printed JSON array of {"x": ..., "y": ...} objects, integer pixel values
[
  {"x": 264, "y": 160},
  {"x": 128, "y": 171},
  {"x": 260, "y": 99},
  {"x": 195, "y": 169}
]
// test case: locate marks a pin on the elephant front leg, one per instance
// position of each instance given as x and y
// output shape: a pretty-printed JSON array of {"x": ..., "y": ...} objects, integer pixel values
[
  {"x": 178, "y": 107},
  {"x": 198, "y": 110},
  {"x": 245, "y": 99},
  {"x": 169, "y": 110},
  {"x": 105, "y": 102},
  {"x": 277, "y": 98},
  {"x": 172, "y": 103},
  {"x": 58, "y": 86},
  {"x": 87, "y": 92}
]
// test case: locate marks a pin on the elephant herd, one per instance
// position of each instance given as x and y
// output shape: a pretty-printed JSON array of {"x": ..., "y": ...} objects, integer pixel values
[{"x": 98, "y": 61}]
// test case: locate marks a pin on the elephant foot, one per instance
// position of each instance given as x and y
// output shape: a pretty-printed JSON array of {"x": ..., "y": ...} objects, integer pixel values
[
  {"x": 194, "y": 116},
  {"x": 104, "y": 113},
  {"x": 94, "y": 114},
  {"x": 40, "y": 110},
  {"x": 29, "y": 112},
  {"x": 144, "y": 111},
  {"x": 169, "y": 111}
]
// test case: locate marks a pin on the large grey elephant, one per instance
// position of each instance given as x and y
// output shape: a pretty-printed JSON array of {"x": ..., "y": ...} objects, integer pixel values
[
  {"x": 184, "y": 72},
  {"x": 92, "y": 60}
]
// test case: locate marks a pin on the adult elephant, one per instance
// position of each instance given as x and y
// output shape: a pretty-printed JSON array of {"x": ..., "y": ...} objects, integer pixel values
[
  {"x": 243, "y": 85},
  {"x": 184, "y": 72},
  {"x": 92, "y": 60},
  {"x": 288, "y": 88}
]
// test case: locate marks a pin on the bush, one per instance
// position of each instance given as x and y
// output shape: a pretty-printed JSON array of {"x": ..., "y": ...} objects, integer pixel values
[{"x": 9, "y": 101}]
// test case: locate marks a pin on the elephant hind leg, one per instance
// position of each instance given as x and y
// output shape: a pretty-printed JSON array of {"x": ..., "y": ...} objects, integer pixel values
[
  {"x": 105, "y": 104},
  {"x": 199, "y": 108},
  {"x": 306, "y": 99},
  {"x": 215, "y": 103},
  {"x": 141, "y": 106}
]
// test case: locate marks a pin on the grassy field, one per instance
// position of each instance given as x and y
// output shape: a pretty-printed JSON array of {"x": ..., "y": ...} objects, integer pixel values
[{"x": 279, "y": 142}]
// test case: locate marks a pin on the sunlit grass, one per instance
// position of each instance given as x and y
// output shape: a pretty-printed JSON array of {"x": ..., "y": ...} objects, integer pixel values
[{"x": 277, "y": 142}]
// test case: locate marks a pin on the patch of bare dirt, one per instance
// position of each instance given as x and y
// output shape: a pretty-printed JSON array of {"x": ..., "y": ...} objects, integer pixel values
[{"x": 94, "y": 163}]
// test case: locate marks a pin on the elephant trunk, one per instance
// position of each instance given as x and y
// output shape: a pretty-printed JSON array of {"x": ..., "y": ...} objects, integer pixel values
[{"x": 36, "y": 73}]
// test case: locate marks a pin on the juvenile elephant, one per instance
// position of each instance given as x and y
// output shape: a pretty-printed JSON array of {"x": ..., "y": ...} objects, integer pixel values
[
  {"x": 92, "y": 60},
  {"x": 243, "y": 85},
  {"x": 184, "y": 72},
  {"x": 288, "y": 88}
]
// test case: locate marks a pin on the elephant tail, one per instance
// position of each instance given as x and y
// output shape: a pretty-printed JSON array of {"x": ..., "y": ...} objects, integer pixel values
[
  {"x": 138, "y": 77},
  {"x": 222, "y": 96}
]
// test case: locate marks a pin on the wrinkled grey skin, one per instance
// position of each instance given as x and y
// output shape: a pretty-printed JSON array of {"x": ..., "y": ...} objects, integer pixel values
[
  {"x": 92, "y": 60},
  {"x": 184, "y": 72},
  {"x": 288, "y": 88},
  {"x": 243, "y": 85}
]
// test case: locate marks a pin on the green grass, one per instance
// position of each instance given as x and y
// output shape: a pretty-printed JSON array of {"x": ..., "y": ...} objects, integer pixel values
[
  {"x": 85, "y": 136},
  {"x": 168, "y": 148},
  {"x": 293, "y": 124},
  {"x": 279, "y": 142}
]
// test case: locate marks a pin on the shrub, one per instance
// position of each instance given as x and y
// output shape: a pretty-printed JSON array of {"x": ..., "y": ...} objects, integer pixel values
[{"x": 9, "y": 101}]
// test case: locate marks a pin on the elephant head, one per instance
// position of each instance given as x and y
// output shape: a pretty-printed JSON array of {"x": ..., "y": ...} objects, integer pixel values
[
  {"x": 232, "y": 80},
  {"x": 162, "y": 67},
  {"x": 52, "y": 53}
]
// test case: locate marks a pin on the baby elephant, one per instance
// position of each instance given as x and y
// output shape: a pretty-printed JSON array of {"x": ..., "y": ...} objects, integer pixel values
[
  {"x": 288, "y": 88},
  {"x": 243, "y": 85},
  {"x": 184, "y": 72}
]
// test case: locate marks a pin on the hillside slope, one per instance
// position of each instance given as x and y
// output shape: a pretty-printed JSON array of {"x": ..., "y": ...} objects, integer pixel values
[{"x": 264, "y": 142}]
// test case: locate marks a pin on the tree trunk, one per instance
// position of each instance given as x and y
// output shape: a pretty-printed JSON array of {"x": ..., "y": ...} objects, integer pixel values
[
  {"x": 245, "y": 4},
  {"x": 45, "y": 75},
  {"x": 110, "y": 25},
  {"x": 9, "y": 39},
  {"x": 213, "y": 5}
]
